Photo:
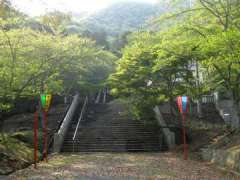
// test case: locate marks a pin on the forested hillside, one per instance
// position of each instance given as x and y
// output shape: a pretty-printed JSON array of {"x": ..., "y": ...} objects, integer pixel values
[
  {"x": 123, "y": 17},
  {"x": 111, "y": 26}
]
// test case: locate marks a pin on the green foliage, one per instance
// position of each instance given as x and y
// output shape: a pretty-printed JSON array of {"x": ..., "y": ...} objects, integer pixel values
[
  {"x": 205, "y": 36},
  {"x": 33, "y": 61},
  {"x": 122, "y": 17},
  {"x": 56, "y": 20},
  {"x": 158, "y": 57},
  {"x": 222, "y": 60},
  {"x": 6, "y": 10},
  {"x": 98, "y": 35}
]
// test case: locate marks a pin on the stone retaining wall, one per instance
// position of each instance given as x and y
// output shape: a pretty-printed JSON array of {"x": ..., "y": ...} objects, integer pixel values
[
  {"x": 229, "y": 158},
  {"x": 169, "y": 136}
]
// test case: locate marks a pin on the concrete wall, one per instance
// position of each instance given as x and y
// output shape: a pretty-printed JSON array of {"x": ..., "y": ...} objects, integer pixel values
[
  {"x": 227, "y": 111},
  {"x": 229, "y": 158},
  {"x": 168, "y": 135}
]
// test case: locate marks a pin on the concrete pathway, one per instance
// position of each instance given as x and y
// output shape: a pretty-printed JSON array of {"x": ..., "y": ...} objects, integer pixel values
[{"x": 121, "y": 166}]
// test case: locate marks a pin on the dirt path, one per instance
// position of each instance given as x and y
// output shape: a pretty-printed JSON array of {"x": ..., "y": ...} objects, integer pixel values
[{"x": 121, "y": 166}]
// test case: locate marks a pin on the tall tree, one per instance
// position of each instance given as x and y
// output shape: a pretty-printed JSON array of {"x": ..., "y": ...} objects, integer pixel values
[{"x": 56, "y": 20}]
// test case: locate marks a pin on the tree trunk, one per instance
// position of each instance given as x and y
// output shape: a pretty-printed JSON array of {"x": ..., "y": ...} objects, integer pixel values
[
  {"x": 199, "y": 108},
  {"x": 235, "y": 115},
  {"x": 199, "y": 101},
  {"x": 171, "y": 105},
  {"x": 235, "y": 110},
  {"x": 1, "y": 129}
]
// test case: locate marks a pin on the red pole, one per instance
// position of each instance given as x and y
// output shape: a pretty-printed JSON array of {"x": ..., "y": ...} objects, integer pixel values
[
  {"x": 188, "y": 113},
  {"x": 35, "y": 139},
  {"x": 45, "y": 135},
  {"x": 188, "y": 119},
  {"x": 185, "y": 146}
]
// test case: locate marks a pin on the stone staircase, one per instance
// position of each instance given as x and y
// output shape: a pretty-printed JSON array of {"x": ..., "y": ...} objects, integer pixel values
[
  {"x": 211, "y": 114},
  {"x": 107, "y": 128}
]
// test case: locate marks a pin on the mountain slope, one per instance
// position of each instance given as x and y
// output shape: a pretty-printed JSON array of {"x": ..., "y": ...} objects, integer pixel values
[{"x": 121, "y": 17}]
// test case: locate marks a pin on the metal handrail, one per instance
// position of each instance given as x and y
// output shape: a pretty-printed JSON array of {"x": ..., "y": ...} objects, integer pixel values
[
  {"x": 79, "y": 120},
  {"x": 98, "y": 97},
  {"x": 104, "y": 95},
  {"x": 208, "y": 99}
]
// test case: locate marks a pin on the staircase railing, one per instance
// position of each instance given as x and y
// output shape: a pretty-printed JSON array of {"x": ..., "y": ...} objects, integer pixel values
[
  {"x": 105, "y": 95},
  {"x": 208, "y": 99},
  {"x": 102, "y": 95},
  {"x": 60, "y": 135},
  {"x": 84, "y": 108},
  {"x": 98, "y": 97}
]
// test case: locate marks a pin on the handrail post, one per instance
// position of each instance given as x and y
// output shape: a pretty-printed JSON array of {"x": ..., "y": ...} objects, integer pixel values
[
  {"x": 104, "y": 95},
  {"x": 98, "y": 97},
  {"x": 73, "y": 146}
]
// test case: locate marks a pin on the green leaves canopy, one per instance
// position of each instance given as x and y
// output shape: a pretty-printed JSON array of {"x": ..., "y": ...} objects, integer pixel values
[
  {"x": 33, "y": 61},
  {"x": 207, "y": 35}
]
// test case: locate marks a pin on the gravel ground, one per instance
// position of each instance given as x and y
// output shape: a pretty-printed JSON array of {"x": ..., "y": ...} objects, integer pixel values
[{"x": 122, "y": 166}]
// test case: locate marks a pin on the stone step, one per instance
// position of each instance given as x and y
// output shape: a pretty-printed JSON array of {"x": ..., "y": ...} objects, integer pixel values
[
  {"x": 146, "y": 138},
  {"x": 112, "y": 139},
  {"x": 112, "y": 144},
  {"x": 115, "y": 124},
  {"x": 105, "y": 145},
  {"x": 112, "y": 135},
  {"x": 112, "y": 120},
  {"x": 113, "y": 150},
  {"x": 104, "y": 129},
  {"x": 102, "y": 146},
  {"x": 115, "y": 128},
  {"x": 113, "y": 132}
]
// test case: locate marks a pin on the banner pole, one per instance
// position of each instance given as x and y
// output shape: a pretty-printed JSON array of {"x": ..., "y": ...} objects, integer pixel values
[
  {"x": 184, "y": 138},
  {"x": 45, "y": 134},
  {"x": 35, "y": 139},
  {"x": 188, "y": 113}
]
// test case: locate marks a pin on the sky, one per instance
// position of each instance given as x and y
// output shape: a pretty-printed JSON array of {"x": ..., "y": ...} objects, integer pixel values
[{"x": 39, "y": 7}]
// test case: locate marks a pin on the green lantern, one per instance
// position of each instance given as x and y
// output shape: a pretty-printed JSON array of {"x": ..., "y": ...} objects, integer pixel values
[
  {"x": 43, "y": 100},
  {"x": 46, "y": 101}
]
